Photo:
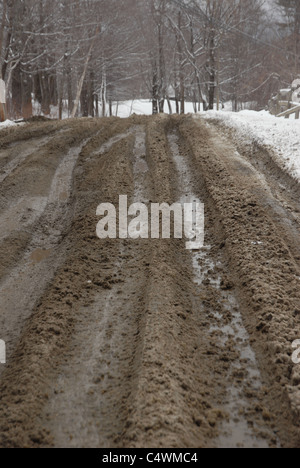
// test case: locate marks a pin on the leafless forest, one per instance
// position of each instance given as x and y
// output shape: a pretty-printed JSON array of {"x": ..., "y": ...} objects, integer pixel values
[
  {"x": 83, "y": 54},
  {"x": 129, "y": 341}
]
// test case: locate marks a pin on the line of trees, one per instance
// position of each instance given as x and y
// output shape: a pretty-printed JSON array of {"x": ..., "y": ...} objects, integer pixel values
[{"x": 78, "y": 57}]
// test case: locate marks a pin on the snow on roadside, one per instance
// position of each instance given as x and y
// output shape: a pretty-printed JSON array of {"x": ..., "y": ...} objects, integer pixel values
[
  {"x": 283, "y": 135},
  {"x": 7, "y": 123}
]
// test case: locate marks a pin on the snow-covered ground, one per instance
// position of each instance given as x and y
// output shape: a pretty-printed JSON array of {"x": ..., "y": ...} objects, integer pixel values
[
  {"x": 144, "y": 107},
  {"x": 122, "y": 109},
  {"x": 6, "y": 124},
  {"x": 283, "y": 135}
]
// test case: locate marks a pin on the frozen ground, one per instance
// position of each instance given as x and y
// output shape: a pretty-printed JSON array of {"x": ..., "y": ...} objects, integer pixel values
[{"x": 283, "y": 135}]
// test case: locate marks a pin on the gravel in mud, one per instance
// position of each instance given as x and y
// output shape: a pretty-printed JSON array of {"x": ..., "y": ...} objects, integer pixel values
[{"x": 142, "y": 343}]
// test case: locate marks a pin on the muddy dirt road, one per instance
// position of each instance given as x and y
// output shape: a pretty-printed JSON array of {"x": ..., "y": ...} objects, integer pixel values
[{"x": 142, "y": 343}]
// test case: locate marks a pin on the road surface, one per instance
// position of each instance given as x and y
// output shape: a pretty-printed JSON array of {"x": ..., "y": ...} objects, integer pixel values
[{"x": 142, "y": 343}]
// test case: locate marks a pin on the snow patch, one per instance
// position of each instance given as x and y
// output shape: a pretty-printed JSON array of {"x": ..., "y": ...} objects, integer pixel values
[
  {"x": 144, "y": 107},
  {"x": 7, "y": 123},
  {"x": 282, "y": 135}
]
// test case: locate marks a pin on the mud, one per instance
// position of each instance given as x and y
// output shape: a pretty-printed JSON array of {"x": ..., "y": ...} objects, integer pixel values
[
  {"x": 226, "y": 327},
  {"x": 141, "y": 343}
]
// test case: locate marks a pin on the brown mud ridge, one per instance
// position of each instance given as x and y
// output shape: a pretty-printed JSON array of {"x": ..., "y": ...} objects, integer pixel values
[{"x": 141, "y": 343}]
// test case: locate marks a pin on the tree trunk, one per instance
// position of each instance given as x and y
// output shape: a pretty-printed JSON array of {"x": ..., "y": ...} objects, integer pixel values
[
  {"x": 70, "y": 89},
  {"x": 60, "y": 108},
  {"x": 212, "y": 87},
  {"x": 201, "y": 97},
  {"x": 155, "y": 86},
  {"x": 44, "y": 85},
  {"x": 26, "y": 87},
  {"x": 84, "y": 104},
  {"x": 81, "y": 81},
  {"x": 181, "y": 69},
  {"x": 169, "y": 106},
  {"x": 60, "y": 87},
  {"x": 16, "y": 92},
  {"x": 162, "y": 72},
  {"x": 212, "y": 72},
  {"x": 7, "y": 52},
  {"x": 97, "y": 104},
  {"x": 2, "y": 27},
  {"x": 161, "y": 106},
  {"x": 2, "y": 112},
  {"x": 91, "y": 93},
  {"x": 103, "y": 93}
]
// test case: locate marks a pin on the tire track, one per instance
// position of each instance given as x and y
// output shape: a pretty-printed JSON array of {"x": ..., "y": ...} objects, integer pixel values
[
  {"x": 89, "y": 407},
  {"x": 19, "y": 157},
  {"x": 238, "y": 430},
  {"x": 262, "y": 266},
  {"x": 26, "y": 282},
  {"x": 170, "y": 406}
]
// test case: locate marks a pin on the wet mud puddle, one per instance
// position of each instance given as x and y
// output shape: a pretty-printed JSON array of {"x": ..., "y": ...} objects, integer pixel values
[
  {"x": 39, "y": 255},
  {"x": 227, "y": 330}
]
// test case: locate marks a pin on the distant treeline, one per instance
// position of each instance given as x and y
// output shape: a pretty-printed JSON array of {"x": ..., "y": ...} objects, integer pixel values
[{"x": 79, "y": 56}]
